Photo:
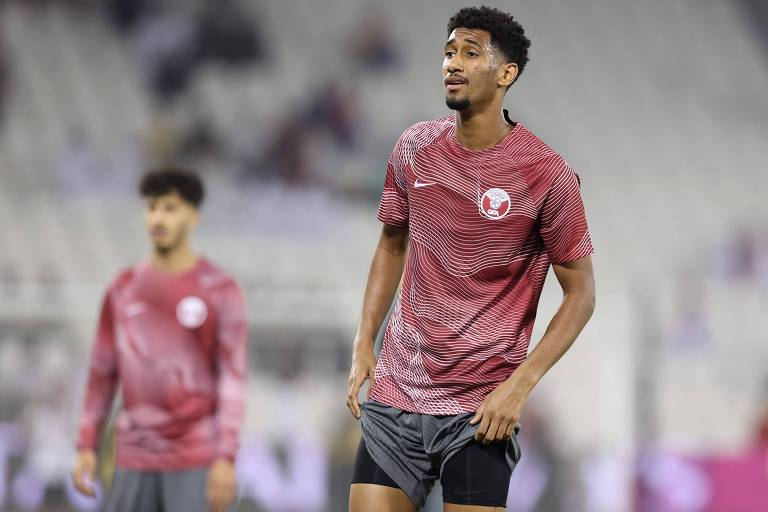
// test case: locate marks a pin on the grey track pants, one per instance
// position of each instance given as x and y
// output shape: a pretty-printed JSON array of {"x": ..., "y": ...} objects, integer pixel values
[{"x": 158, "y": 491}]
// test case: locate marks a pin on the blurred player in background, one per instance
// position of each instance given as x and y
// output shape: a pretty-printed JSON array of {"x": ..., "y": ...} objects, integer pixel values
[
  {"x": 172, "y": 334},
  {"x": 475, "y": 210}
]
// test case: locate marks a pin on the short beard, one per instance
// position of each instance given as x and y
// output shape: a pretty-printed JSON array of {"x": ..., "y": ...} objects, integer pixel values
[
  {"x": 164, "y": 250},
  {"x": 457, "y": 104}
]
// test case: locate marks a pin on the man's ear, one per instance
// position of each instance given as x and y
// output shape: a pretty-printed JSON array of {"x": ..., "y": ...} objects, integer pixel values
[
  {"x": 196, "y": 217},
  {"x": 507, "y": 74}
]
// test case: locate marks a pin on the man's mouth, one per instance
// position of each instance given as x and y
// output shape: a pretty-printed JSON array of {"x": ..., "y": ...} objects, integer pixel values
[
  {"x": 454, "y": 83},
  {"x": 158, "y": 232}
]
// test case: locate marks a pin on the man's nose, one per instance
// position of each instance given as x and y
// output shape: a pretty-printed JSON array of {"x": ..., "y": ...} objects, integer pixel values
[
  {"x": 455, "y": 64},
  {"x": 155, "y": 218}
]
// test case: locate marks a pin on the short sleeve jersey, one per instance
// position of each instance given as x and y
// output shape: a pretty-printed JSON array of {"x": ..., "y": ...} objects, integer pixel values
[{"x": 484, "y": 227}]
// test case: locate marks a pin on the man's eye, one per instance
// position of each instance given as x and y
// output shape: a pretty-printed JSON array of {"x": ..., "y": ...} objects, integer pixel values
[
  {"x": 472, "y": 54},
  {"x": 449, "y": 53}
]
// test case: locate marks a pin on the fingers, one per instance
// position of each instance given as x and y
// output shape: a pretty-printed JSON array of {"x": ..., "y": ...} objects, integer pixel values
[
  {"x": 483, "y": 428},
  {"x": 81, "y": 477},
  {"x": 84, "y": 487},
  {"x": 478, "y": 416},
  {"x": 221, "y": 485},
  {"x": 494, "y": 428},
  {"x": 353, "y": 390},
  {"x": 213, "y": 501},
  {"x": 77, "y": 479},
  {"x": 220, "y": 496},
  {"x": 352, "y": 402},
  {"x": 216, "y": 502}
]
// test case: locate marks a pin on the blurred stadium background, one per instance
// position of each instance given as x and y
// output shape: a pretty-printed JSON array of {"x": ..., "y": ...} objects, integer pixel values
[{"x": 289, "y": 108}]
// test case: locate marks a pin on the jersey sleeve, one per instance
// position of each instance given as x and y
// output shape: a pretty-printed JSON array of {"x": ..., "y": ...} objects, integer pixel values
[
  {"x": 102, "y": 379},
  {"x": 563, "y": 225},
  {"x": 232, "y": 341},
  {"x": 393, "y": 207}
]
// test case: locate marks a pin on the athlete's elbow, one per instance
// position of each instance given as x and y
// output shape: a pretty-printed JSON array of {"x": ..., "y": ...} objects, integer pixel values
[
  {"x": 589, "y": 301},
  {"x": 583, "y": 300}
]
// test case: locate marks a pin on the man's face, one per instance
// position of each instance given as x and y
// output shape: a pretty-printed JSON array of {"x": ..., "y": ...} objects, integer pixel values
[
  {"x": 473, "y": 70},
  {"x": 169, "y": 220}
]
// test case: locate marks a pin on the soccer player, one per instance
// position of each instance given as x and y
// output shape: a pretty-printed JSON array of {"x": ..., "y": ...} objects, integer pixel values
[
  {"x": 172, "y": 334},
  {"x": 475, "y": 209}
]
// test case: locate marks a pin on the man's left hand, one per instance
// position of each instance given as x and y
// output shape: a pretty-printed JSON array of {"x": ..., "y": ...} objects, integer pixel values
[
  {"x": 222, "y": 485},
  {"x": 499, "y": 412}
]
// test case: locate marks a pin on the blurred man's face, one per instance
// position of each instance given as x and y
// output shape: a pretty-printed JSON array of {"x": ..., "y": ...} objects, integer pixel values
[
  {"x": 471, "y": 68},
  {"x": 169, "y": 220}
]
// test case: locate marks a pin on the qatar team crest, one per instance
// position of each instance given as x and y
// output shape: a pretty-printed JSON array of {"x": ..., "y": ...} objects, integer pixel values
[
  {"x": 191, "y": 312},
  {"x": 495, "y": 204}
]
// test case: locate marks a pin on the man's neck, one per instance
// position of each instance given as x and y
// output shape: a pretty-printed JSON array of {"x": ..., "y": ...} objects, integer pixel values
[
  {"x": 483, "y": 129},
  {"x": 175, "y": 261}
]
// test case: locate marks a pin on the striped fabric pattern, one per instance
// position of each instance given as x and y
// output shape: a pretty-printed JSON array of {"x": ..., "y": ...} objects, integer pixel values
[{"x": 484, "y": 227}]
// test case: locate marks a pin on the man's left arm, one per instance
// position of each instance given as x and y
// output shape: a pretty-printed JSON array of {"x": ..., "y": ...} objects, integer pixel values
[
  {"x": 501, "y": 409},
  {"x": 231, "y": 353}
]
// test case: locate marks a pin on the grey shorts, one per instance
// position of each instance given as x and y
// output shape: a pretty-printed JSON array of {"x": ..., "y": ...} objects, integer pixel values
[
  {"x": 158, "y": 491},
  {"x": 413, "y": 448}
]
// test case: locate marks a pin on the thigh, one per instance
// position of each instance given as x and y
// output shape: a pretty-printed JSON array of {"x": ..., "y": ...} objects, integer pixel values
[
  {"x": 378, "y": 498},
  {"x": 367, "y": 471},
  {"x": 372, "y": 489},
  {"x": 133, "y": 491},
  {"x": 452, "y": 507},
  {"x": 394, "y": 439},
  {"x": 184, "y": 491},
  {"x": 477, "y": 476}
]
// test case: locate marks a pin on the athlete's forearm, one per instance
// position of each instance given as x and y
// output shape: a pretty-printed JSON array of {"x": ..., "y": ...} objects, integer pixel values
[
  {"x": 578, "y": 284},
  {"x": 573, "y": 314},
  {"x": 382, "y": 283}
]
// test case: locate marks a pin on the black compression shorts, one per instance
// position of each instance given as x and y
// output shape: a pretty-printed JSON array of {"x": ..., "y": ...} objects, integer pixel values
[{"x": 477, "y": 475}]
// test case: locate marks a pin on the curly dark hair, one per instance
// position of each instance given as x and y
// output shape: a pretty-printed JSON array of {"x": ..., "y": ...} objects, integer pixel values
[
  {"x": 507, "y": 35},
  {"x": 159, "y": 182}
]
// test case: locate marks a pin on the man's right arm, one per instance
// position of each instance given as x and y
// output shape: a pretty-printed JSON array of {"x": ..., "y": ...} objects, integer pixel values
[
  {"x": 380, "y": 288},
  {"x": 102, "y": 380}
]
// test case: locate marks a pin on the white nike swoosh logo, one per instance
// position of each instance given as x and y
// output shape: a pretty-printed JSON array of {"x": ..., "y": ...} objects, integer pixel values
[{"x": 418, "y": 184}]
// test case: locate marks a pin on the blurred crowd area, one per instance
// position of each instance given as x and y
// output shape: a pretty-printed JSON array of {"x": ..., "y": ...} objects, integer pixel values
[
  {"x": 175, "y": 67},
  {"x": 289, "y": 109}
]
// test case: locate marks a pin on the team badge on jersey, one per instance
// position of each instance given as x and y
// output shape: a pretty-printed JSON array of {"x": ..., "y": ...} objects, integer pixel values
[
  {"x": 495, "y": 204},
  {"x": 191, "y": 312}
]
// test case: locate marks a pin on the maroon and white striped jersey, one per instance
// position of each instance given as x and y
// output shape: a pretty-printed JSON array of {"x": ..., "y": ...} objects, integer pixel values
[
  {"x": 176, "y": 344},
  {"x": 484, "y": 227}
]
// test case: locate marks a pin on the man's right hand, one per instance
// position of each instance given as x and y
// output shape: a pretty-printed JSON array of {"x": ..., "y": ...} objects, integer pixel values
[
  {"x": 363, "y": 368},
  {"x": 84, "y": 471}
]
